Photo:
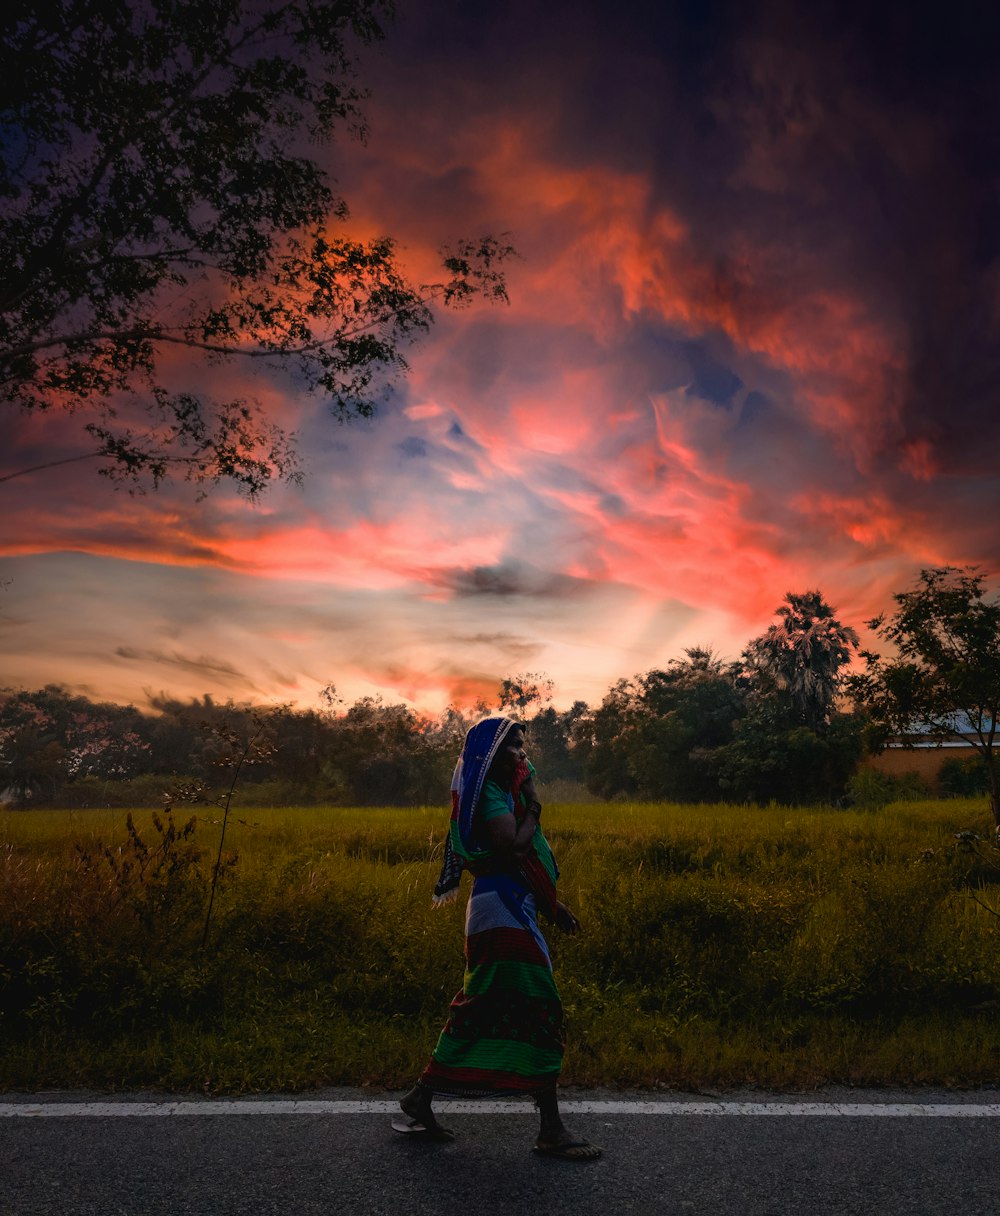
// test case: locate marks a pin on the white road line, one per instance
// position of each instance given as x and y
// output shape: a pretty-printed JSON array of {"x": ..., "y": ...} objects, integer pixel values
[{"x": 855, "y": 1110}]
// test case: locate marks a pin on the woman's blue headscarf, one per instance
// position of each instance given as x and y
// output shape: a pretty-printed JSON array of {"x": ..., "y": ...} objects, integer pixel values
[{"x": 482, "y": 744}]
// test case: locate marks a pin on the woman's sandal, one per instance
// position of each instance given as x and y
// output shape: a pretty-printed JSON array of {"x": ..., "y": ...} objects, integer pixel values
[
  {"x": 572, "y": 1150},
  {"x": 412, "y": 1127}
]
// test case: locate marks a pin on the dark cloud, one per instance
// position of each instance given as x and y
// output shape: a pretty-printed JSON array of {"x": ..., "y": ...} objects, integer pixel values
[
  {"x": 713, "y": 381},
  {"x": 515, "y": 647},
  {"x": 860, "y": 139},
  {"x": 868, "y": 132},
  {"x": 755, "y": 405},
  {"x": 858, "y": 136},
  {"x": 213, "y": 668},
  {"x": 511, "y": 578},
  {"x": 413, "y": 447}
]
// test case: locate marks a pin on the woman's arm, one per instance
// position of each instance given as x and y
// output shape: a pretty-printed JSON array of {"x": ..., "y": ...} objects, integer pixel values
[
  {"x": 531, "y": 797},
  {"x": 509, "y": 839},
  {"x": 565, "y": 919}
]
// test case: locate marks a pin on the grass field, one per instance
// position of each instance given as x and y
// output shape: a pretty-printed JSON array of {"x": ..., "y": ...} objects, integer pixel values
[{"x": 723, "y": 946}]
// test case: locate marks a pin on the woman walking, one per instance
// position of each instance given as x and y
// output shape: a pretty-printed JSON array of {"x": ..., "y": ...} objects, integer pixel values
[{"x": 504, "y": 1030}]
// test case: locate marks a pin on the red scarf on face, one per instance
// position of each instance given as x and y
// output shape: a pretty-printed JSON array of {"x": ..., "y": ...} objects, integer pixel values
[{"x": 532, "y": 871}]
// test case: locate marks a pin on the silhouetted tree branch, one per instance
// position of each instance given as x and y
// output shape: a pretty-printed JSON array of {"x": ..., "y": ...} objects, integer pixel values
[{"x": 164, "y": 188}]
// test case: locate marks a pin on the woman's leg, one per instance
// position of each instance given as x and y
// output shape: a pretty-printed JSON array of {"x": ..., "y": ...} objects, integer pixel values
[
  {"x": 554, "y": 1138},
  {"x": 417, "y": 1104},
  {"x": 552, "y": 1126}
]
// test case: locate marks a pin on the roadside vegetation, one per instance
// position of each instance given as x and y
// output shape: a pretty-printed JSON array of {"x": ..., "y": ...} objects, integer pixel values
[{"x": 724, "y": 945}]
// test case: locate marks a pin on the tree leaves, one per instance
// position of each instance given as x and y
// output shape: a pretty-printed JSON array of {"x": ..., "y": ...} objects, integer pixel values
[
  {"x": 168, "y": 191},
  {"x": 945, "y": 679},
  {"x": 803, "y": 654}
]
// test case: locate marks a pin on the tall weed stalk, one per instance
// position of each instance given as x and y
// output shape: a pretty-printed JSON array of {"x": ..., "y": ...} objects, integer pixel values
[{"x": 236, "y": 759}]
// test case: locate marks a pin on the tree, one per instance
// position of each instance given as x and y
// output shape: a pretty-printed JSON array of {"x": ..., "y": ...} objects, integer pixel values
[
  {"x": 652, "y": 735},
  {"x": 550, "y": 743},
  {"x": 163, "y": 195},
  {"x": 603, "y": 740},
  {"x": 690, "y": 708},
  {"x": 803, "y": 654},
  {"x": 791, "y": 745},
  {"x": 526, "y": 688},
  {"x": 31, "y": 763},
  {"x": 772, "y": 757},
  {"x": 49, "y": 737},
  {"x": 32, "y": 755},
  {"x": 945, "y": 678},
  {"x": 387, "y": 755}
]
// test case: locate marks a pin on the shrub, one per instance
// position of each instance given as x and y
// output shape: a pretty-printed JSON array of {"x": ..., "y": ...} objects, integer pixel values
[
  {"x": 871, "y": 789},
  {"x": 965, "y": 778}
]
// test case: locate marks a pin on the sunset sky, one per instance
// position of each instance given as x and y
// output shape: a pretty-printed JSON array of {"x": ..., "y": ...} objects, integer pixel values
[{"x": 751, "y": 348}]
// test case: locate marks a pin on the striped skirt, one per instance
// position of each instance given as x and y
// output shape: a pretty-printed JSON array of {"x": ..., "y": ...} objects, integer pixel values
[{"x": 504, "y": 1029}]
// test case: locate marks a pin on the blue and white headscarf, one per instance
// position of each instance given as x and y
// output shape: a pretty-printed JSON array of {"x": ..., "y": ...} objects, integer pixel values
[{"x": 482, "y": 744}]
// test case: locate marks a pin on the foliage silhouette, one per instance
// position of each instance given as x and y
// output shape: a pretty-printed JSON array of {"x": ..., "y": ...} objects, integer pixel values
[
  {"x": 166, "y": 194},
  {"x": 803, "y": 653},
  {"x": 945, "y": 679}
]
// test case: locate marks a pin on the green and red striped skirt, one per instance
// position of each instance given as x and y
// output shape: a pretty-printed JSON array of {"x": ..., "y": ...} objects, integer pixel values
[{"x": 504, "y": 1029}]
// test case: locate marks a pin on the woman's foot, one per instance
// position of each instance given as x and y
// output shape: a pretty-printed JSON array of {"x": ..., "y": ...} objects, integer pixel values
[
  {"x": 566, "y": 1146},
  {"x": 554, "y": 1138},
  {"x": 420, "y": 1118}
]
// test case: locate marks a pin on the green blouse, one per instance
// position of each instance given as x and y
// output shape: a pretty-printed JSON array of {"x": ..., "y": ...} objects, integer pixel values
[{"x": 495, "y": 801}]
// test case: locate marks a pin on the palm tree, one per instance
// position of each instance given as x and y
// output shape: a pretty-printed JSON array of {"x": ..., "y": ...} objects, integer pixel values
[{"x": 803, "y": 653}]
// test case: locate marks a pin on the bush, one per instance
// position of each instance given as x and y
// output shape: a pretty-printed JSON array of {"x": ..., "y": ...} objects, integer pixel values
[
  {"x": 117, "y": 938},
  {"x": 870, "y": 789},
  {"x": 86, "y": 793},
  {"x": 966, "y": 778}
]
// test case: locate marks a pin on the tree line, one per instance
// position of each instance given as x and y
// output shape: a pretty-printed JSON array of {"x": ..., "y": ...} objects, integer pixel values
[{"x": 787, "y": 721}]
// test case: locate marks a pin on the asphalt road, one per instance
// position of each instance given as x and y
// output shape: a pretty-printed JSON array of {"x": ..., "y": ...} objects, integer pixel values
[{"x": 741, "y": 1165}]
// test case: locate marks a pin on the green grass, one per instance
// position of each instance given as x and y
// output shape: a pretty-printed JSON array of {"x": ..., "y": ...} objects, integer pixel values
[{"x": 723, "y": 946}]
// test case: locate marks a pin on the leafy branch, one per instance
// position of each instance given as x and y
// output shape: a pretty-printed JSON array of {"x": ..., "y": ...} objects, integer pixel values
[{"x": 163, "y": 190}]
